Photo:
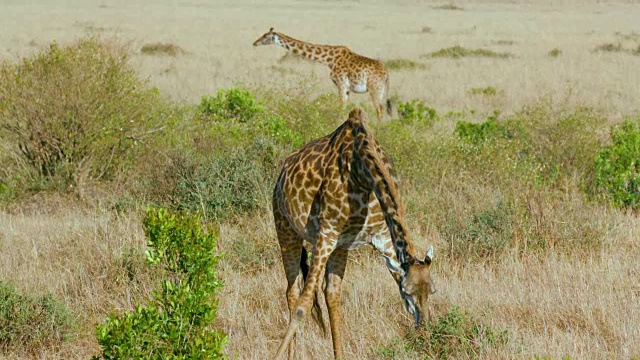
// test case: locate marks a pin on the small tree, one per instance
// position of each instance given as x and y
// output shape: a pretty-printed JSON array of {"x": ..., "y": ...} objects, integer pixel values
[{"x": 176, "y": 324}]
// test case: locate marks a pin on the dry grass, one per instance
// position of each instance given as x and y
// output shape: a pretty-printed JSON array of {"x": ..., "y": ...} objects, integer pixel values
[{"x": 550, "y": 304}]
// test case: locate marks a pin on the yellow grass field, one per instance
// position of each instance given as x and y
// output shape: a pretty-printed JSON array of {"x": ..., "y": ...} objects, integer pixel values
[{"x": 552, "y": 305}]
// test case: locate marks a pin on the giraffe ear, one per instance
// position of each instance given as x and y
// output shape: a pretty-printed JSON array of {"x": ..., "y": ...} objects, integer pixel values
[{"x": 429, "y": 256}]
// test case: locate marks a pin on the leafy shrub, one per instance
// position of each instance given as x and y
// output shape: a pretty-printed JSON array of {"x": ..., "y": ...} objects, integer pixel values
[
  {"x": 29, "y": 323},
  {"x": 303, "y": 111},
  {"x": 231, "y": 104},
  {"x": 176, "y": 324},
  {"x": 478, "y": 132},
  {"x": 455, "y": 334},
  {"x": 277, "y": 128},
  {"x": 415, "y": 111},
  {"x": 74, "y": 114},
  {"x": 618, "y": 165},
  {"x": 219, "y": 185}
]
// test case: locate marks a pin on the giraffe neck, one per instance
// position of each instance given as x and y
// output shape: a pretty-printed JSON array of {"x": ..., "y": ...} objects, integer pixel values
[
  {"x": 324, "y": 54},
  {"x": 377, "y": 174}
]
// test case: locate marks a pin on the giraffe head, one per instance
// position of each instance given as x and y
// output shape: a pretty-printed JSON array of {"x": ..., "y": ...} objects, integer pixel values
[
  {"x": 417, "y": 285},
  {"x": 270, "y": 37}
]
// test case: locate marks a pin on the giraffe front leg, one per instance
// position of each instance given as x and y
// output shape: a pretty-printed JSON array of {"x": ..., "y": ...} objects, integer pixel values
[
  {"x": 321, "y": 252},
  {"x": 334, "y": 274}
]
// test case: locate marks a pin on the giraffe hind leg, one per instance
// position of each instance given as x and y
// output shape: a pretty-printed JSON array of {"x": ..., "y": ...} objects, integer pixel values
[
  {"x": 333, "y": 278},
  {"x": 316, "y": 310},
  {"x": 290, "y": 246}
]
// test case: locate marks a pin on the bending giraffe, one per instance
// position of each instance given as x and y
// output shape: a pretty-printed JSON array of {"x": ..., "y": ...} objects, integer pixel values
[
  {"x": 338, "y": 193},
  {"x": 349, "y": 71}
]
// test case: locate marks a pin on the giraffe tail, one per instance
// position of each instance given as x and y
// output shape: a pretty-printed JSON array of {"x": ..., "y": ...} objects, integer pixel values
[
  {"x": 389, "y": 108},
  {"x": 316, "y": 310}
]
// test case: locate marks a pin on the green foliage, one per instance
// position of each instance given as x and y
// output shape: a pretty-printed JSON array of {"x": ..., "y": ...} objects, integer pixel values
[
  {"x": 455, "y": 335},
  {"x": 415, "y": 111},
  {"x": 457, "y": 52},
  {"x": 74, "y": 114},
  {"x": 240, "y": 106},
  {"x": 30, "y": 323},
  {"x": 555, "y": 52},
  {"x": 276, "y": 127},
  {"x": 176, "y": 323},
  {"x": 476, "y": 133},
  {"x": 304, "y": 112},
  {"x": 231, "y": 104},
  {"x": 618, "y": 166}
]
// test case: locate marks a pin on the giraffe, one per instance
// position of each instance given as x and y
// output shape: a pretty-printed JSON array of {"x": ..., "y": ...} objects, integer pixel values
[
  {"x": 338, "y": 193},
  {"x": 349, "y": 71}
]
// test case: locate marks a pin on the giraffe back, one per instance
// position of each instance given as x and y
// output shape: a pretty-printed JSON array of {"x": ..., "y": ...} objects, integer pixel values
[{"x": 317, "y": 186}]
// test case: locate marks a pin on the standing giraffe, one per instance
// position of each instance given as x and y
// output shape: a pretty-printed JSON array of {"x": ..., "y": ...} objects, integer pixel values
[
  {"x": 338, "y": 193},
  {"x": 349, "y": 71}
]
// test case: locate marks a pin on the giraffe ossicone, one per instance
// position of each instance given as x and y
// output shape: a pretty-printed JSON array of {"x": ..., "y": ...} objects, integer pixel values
[
  {"x": 338, "y": 193},
  {"x": 349, "y": 71}
]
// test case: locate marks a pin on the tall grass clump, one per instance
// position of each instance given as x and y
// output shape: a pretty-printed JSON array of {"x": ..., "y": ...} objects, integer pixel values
[
  {"x": 176, "y": 323},
  {"x": 70, "y": 115},
  {"x": 403, "y": 64},
  {"x": 617, "y": 166},
  {"x": 456, "y": 52},
  {"x": 29, "y": 324},
  {"x": 453, "y": 335}
]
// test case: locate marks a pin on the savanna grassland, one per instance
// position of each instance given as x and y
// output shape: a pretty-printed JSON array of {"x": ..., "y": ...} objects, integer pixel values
[{"x": 516, "y": 136}]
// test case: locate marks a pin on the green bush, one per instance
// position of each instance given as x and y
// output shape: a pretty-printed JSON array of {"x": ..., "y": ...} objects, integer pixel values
[
  {"x": 276, "y": 128},
  {"x": 454, "y": 335},
  {"x": 220, "y": 184},
  {"x": 29, "y": 323},
  {"x": 618, "y": 165},
  {"x": 305, "y": 113},
  {"x": 230, "y": 104},
  {"x": 476, "y": 133},
  {"x": 75, "y": 114},
  {"x": 176, "y": 323},
  {"x": 415, "y": 111}
]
